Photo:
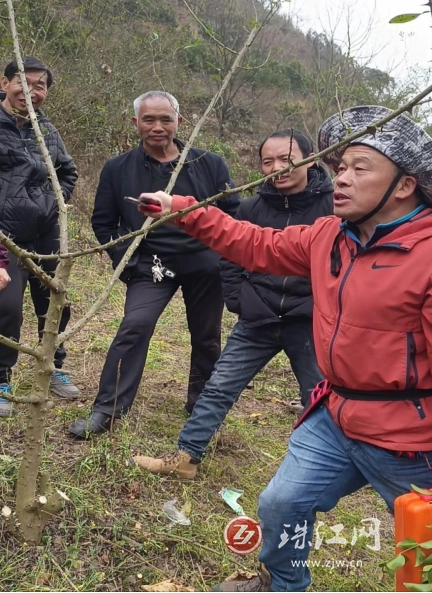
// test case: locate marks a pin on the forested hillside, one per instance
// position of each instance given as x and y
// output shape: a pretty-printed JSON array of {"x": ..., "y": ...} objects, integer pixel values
[{"x": 106, "y": 52}]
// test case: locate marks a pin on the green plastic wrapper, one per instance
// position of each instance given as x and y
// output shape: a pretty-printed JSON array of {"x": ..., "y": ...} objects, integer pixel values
[{"x": 230, "y": 496}]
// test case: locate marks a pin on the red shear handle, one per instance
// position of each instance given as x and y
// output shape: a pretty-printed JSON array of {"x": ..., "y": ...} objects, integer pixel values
[{"x": 153, "y": 207}]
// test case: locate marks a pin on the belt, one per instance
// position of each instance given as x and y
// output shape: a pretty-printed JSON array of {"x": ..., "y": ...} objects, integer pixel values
[{"x": 382, "y": 396}]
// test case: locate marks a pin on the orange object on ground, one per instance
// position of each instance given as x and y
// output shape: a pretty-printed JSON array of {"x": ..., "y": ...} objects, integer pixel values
[{"x": 412, "y": 512}]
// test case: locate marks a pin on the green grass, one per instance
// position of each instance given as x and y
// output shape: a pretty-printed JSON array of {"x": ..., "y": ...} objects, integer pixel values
[{"x": 113, "y": 536}]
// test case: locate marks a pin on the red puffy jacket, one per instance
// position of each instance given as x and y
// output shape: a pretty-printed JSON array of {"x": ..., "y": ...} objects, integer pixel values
[{"x": 372, "y": 321}]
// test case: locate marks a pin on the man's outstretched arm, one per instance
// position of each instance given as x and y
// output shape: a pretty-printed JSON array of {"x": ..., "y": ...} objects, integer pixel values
[{"x": 258, "y": 249}]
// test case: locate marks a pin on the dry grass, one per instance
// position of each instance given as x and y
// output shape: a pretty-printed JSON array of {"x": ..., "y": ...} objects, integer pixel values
[{"x": 114, "y": 536}]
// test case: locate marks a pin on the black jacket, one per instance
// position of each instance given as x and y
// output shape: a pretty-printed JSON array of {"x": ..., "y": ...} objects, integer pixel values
[
  {"x": 28, "y": 207},
  {"x": 130, "y": 174},
  {"x": 263, "y": 298}
]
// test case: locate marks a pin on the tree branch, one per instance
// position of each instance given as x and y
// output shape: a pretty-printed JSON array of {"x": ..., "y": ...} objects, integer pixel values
[
  {"x": 241, "y": 188},
  {"x": 44, "y": 150},
  {"x": 10, "y": 520},
  {"x": 20, "y": 347},
  {"x": 235, "y": 66},
  {"x": 424, "y": 102},
  {"x": 207, "y": 30},
  {"x": 55, "y": 501},
  {"x": 64, "y": 574},
  {"x": 26, "y": 259},
  {"x": 260, "y": 65}
]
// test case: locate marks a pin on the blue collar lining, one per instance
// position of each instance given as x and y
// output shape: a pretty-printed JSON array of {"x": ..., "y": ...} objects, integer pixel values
[{"x": 381, "y": 229}]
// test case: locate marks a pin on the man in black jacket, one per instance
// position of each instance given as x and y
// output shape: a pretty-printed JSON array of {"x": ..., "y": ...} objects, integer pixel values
[
  {"x": 275, "y": 313},
  {"x": 166, "y": 260},
  {"x": 29, "y": 211}
]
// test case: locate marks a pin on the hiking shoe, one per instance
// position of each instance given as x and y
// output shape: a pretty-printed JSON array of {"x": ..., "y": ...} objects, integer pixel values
[
  {"x": 5, "y": 405},
  {"x": 259, "y": 583},
  {"x": 176, "y": 462},
  {"x": 62, "y": 386}
]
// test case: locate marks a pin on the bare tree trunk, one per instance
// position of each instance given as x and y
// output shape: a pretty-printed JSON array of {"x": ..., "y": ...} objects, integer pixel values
[{"x": 35, "y": 502}]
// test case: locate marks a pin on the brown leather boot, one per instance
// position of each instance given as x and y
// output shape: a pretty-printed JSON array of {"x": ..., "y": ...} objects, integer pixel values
[
  {"x": 178, "y": 463},
  {"x": 259, "y": 583}
]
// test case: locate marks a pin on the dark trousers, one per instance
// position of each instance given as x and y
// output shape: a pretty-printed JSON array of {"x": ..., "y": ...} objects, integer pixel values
[
  {"x": 11, "y": 302},
  {"x": 145, "y": 302}
]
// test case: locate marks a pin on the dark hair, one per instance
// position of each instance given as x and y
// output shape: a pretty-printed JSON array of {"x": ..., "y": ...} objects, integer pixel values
[
  {"x": 305, "y": 145},
  {"x": 29, "y": 64}
]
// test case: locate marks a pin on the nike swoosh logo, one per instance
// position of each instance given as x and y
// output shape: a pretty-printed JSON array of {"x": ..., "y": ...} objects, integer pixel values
[{"x": 376, "y": 266}]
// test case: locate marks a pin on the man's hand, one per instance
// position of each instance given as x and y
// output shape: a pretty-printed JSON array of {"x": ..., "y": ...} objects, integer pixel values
[
  {"x": 4, "y": 278},
  {"x": 155, "y": 205}
]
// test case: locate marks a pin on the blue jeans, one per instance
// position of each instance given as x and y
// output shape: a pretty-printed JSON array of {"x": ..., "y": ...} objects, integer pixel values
[
  {"x": 322, "y": 466},
  {"x": 246, "y": 353}
]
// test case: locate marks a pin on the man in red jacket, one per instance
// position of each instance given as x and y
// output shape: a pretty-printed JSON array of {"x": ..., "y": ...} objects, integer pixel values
[{"x": 369, "y": 421}]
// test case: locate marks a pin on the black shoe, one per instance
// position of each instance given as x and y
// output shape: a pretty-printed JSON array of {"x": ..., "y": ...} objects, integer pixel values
[
  {"x": 189, "y": 406},
  {"x": 83, "y": 428}
]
